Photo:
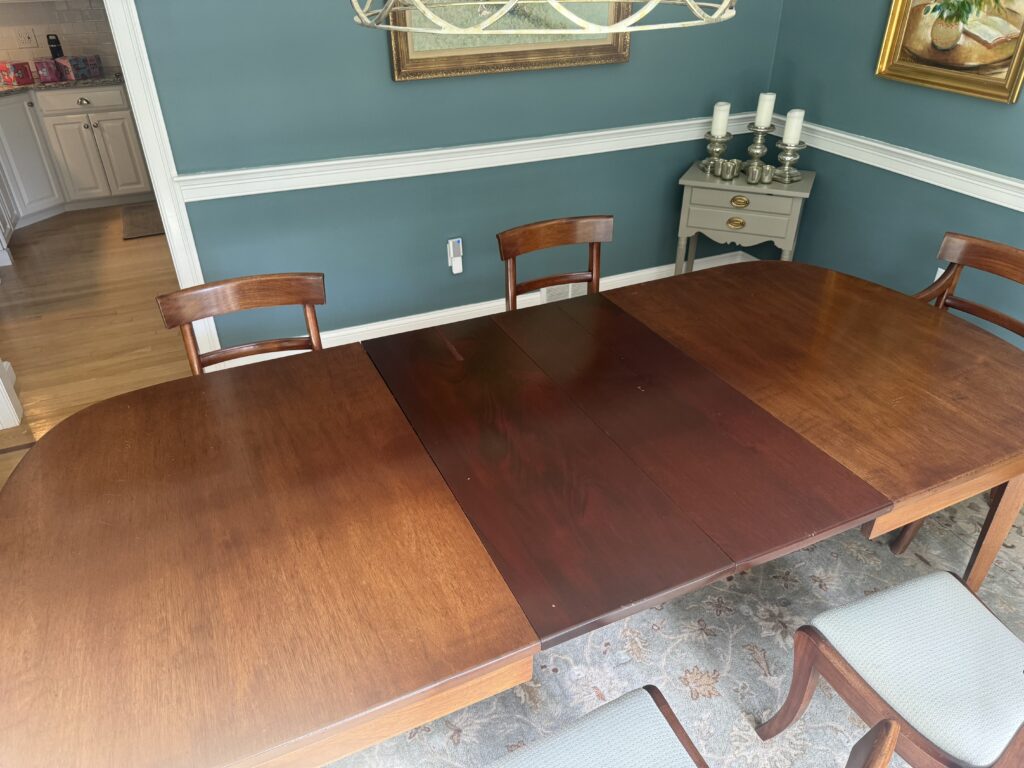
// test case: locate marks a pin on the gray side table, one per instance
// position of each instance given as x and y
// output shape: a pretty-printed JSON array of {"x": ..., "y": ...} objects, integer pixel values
[{"x": 738, "y": 213}]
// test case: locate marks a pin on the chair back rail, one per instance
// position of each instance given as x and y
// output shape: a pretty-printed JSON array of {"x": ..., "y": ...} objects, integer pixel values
[
  {"x": 512, "y": 243},
  {"x": 181, "y": 309},
  {"x": 962, "y": 251}
]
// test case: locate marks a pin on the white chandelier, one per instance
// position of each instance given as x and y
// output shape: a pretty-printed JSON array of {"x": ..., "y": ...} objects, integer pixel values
[{"x": 533, "y": 17}]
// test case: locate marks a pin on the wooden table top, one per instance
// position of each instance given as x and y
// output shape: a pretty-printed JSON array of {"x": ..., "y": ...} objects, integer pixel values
[
  {"x": 196, "y": 572},
  {"x": 605, "y": 470},
  {"x": 918, "y": 402},
  {"x": 265, "y": 567}
]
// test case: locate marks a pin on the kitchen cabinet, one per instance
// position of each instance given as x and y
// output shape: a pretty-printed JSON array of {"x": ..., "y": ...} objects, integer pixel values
[
  {"x": 66, "y": 148},
  {"x": 94, "y": 143},
  {"x": 121, "y": 153},
  {"x": 25, "y": 157},
  {"x": 77, "y": 155}
]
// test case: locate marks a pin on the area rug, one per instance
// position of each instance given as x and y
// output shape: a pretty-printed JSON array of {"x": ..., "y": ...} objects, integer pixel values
[
  {"x": 141, "y": 220},
  {"x": 722, "y": 656}
]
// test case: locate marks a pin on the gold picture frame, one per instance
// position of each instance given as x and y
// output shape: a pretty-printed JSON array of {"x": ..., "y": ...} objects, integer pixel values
[
  {"x": 506, "y": 54},
  {"x": 989, "y": 70}
]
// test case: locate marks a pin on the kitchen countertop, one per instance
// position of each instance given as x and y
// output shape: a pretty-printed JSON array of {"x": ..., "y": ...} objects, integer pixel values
[{"x": 8, "y": 90}]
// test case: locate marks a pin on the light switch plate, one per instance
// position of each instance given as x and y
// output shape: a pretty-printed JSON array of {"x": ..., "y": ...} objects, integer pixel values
[{"x": 27, "y": 38}]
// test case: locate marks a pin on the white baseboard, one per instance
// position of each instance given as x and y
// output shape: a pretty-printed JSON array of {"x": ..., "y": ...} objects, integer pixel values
[
  {"x": 357, "y": 333},
  {"x": 82, "y": 205}
]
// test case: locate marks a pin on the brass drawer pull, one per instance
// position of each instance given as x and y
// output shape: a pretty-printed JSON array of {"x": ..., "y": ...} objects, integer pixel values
[
  {"x": 740, "y": 201},
  {"x": 735, "y": 222}
]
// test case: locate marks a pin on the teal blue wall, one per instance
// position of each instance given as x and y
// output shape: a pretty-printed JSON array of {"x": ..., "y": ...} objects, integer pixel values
[
  {"x": 869, "y": 222},
  {"x": 825, "y": 62},
  {"x": 381, "y": 245},
  {"x": 325, "y": 92},
  {"x": 259, "y": 82}
]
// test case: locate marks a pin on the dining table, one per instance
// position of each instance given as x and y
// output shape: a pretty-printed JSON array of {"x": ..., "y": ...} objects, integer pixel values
[{"x": 282, "y": 563}]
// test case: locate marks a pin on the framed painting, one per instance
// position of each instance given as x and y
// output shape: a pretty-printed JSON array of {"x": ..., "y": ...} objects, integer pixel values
[
  {"x": 973, "y": 47},
  {"x": 420, "y": 56}
]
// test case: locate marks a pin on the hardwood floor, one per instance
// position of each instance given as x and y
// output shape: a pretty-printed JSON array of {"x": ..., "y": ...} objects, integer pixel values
[{"x": 78, "y": 320}]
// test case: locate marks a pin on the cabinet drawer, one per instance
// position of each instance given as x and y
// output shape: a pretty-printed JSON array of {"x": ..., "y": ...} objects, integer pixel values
[
  {"x": 735, "y": 199},
  {"x": 741, "y": 222},
  {"x": 67, "y": 99}
]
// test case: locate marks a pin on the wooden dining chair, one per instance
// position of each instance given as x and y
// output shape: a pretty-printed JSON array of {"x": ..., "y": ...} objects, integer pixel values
[
  {"x": 640, "y": 729},
  {"x": 927, "y": 654},
  {"x": 513, "y": 243},
  {"x": 181, "y": 309},
  {"x": 964, "y": 251}
]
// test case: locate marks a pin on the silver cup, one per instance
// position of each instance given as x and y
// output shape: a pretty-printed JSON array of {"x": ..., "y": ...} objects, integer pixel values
[
  {"x": 716, "y": 166},
  {"x": 767, "y": 174},
  {"x": 753, "y": 174},
  {"x": 730, "y": 169}
]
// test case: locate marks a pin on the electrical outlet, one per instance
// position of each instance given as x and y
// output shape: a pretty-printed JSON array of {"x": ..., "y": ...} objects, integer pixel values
[
  {"x": 455, "y": 255},
  {"x": 27, "y": 38}
]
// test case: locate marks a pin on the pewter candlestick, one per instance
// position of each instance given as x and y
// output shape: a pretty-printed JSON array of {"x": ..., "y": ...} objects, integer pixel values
[
  {"x": 788, "y": 155},
  {"x": 758, "y": 149},
  {"x": 716, "y": 148}
]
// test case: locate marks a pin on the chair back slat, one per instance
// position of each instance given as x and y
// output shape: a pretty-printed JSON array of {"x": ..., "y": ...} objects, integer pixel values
[
  {"x": 512, "y": 243},
  {"x": 995, "y": 258},
  {"x": 240, "y": 293},
  {"x": 181, "y": 309},
  {"x": 986, "y": 255}
]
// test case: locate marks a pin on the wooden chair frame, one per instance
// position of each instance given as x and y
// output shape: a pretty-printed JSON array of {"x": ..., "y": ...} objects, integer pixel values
[
  {"x": 181, "y": 309},
  {"x": 874, "y": 750},
  {"x": 512, "y": 243},
  {"x": 965, "y": 251},
  {"x": 814, "y": 656}
]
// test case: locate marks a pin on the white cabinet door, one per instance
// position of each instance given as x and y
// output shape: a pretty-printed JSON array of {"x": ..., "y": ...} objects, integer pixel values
[
  {"x": 121, "y": 152},
  {"x": 77, "y": 156},
  {"x": 25, "y": 159}
]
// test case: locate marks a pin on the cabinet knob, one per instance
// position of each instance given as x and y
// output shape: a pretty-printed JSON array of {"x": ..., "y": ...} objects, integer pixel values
[
  {"x": 86, "y": 126},
  {"x": 735, "y": 222},
  {"x": 95, "y": 125},
  {"x": 31, "y": 104},
  {"x": 83, "y": 102},
  {"x": 740, "y": 201}
]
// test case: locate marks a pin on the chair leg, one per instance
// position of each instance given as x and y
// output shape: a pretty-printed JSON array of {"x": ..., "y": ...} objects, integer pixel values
[
  {"x": 905, "y": 535},
  {"x": 805, "y": 682}
]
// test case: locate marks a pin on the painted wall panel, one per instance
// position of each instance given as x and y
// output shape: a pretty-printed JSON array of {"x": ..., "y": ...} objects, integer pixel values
[
  {"x": 382, "y": 245},
  {"x": 825, "y": 62},
  {"x": 260, "y": 82}
]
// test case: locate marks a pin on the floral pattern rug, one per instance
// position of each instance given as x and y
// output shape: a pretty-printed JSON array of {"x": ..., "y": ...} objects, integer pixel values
[{"x": 722, "y": 656}]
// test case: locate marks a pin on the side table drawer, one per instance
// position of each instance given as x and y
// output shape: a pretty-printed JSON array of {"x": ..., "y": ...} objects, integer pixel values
[
  {"x": 739, "y": 221},
  {"x": 743, "y": 201}
]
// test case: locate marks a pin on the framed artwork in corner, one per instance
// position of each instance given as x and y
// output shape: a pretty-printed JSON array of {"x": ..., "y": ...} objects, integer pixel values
[
  {"x": 421, "y": 56},
  {"x": 973, "y": 47}
]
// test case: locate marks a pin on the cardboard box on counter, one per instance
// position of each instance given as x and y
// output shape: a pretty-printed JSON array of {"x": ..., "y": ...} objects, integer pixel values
[
  {"x": 80, "y": 67},
  {"x": 15, "y": 73}
]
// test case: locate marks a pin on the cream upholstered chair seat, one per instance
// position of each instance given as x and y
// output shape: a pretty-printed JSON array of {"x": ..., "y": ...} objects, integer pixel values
[
  {"x": 938, "y": 657},
  {"x": 628, "y": 731}
]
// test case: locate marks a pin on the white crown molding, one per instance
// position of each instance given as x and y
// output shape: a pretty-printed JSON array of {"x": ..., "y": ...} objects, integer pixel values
[
  {"x": 216, "y": 185},
  {"x": 969, "y": 180},
  {"x": 156, "y": 145}
]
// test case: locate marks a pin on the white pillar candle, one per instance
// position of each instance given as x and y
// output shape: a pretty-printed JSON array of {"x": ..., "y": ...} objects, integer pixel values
[
  {"x": 720, "y": 119},
  {"x": 794, "y": 127},
  {"x": 765, "y": 110}
]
